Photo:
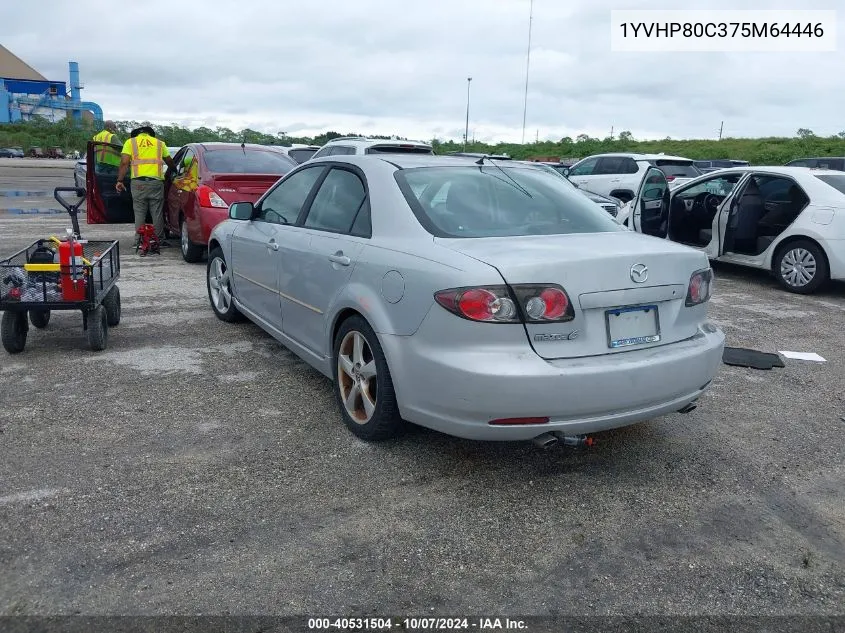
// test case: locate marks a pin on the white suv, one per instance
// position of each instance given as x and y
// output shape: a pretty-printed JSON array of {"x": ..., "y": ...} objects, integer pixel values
[
  {"x": 347, "y": 145},
  {"x": 619, "y": 175}
]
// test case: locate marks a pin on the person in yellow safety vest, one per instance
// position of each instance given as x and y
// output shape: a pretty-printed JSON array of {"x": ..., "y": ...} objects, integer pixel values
[
  {"x": 190, "y": 179},
  {"x": 147, "y": 156},
  {"x": 107, "y": 159}
]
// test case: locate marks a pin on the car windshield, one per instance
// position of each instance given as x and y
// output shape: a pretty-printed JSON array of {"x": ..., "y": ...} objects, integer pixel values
[
  {"x": 837, "y": 182},
  {"x": 678, "y": 168},
  {"x": 492, "y": 201},
  {"x": 247, "y": 161}
]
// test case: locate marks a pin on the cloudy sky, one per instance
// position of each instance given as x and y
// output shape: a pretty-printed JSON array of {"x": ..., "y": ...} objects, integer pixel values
[{"x": 401, "y": 67}]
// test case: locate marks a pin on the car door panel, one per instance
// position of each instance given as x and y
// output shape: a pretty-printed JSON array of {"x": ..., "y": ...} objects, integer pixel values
[
  {"x": 255, "y": 253},
  {"x": 319, "y": 261}
]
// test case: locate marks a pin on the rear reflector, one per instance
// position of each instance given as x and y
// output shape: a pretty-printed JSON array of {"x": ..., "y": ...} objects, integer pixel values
[{"x": 512, "y": 421}]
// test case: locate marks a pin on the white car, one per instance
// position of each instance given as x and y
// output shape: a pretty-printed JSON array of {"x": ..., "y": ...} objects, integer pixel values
[
  {"x": 789, "y": 220},
  {"x": 359, "y": 145},
  {"x": 619, "y": 175}
]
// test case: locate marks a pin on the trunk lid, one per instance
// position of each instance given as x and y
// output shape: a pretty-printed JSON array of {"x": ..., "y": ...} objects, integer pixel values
[
  {"x": 241, "y": 187},
  {"x": 596, "y": 272}
]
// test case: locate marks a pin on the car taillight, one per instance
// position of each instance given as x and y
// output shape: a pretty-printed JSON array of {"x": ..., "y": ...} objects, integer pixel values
[
  {"x": 700, "y": 287},
  {"x": 209, "y": 198},
  {"x": 670, "y": 178},
  {"x": 528, "y": 303}
]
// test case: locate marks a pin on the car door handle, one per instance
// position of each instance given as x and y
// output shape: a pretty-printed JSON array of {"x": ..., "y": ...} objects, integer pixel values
[
  {"x": 340, "y": 258},
  {"x": 272, "y": 244}
]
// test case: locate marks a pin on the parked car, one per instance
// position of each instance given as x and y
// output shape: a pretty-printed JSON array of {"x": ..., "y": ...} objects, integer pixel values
[
  {"x": 299, "y": 153},
  {"x": 79, "y": 171},
  {"x": 824, "y": 162},
  {"x": 55, "y": 152},
  {"x": 208, "y": 178},
  {"x": 706, "y": 166},
  {"x": 610, "y": 205},
  {"x": 36, "y": 152},
  {"x": 480, "y": 155},
  {"x": 357, "y": 145},
  {"x": 787, "y": 220},
  {"x": 619, "y": 175},
  {"x": 17, "y": 152},
  {"x": 5, "y": 152},
  {"x": 510, "y": 308}
]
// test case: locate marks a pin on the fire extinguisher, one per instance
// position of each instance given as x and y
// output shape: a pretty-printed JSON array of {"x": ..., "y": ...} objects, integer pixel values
[{"x": 72, "y": 269}]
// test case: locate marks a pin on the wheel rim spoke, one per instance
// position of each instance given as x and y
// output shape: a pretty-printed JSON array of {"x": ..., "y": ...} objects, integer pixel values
[
  {"x": 358, "y": 349},
  {"x": 369, "y": 403},
  {"x": 368, "y": 371},
  {"x": 351, "y": 399},
  {"x": 346, "y": 365}
]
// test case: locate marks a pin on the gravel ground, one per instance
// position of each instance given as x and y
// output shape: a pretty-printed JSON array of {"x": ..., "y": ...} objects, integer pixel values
[{"x": 199, "y": 467}]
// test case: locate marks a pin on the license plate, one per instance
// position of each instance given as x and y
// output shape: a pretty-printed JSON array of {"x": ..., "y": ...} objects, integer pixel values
[{"x": 635, "y": 325}]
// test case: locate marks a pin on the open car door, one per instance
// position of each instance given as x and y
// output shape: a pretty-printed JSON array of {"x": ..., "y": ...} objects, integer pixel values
[
  {"x": 104, "y": 204},
  {"x": 650, "y": 207}
]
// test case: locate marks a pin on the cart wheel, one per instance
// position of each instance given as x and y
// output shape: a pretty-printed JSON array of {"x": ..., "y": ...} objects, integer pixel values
[
  {"x": 39, "y": 318},
  {"x": 111, "y": 302},
  {"x": 98, "y": 329},
  {"x": 13, "y": 330}
]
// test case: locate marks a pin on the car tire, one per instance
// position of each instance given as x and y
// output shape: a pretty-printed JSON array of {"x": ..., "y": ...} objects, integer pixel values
[
  {"x": 218, "y": 281},
  {"x": 13, "y": 331},
  {"x": 191, "y": 253},
  {"x": 801, "y": 267},
  {"x": 98, "y": 329},
  {"x": 111, "y": 302},
  {"x": 359, "y": 367},
  {"x": 39, "y": 318}
]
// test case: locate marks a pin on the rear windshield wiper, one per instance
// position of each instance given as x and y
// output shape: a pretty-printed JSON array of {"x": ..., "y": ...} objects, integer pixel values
[{"x": 480, "y": 162}]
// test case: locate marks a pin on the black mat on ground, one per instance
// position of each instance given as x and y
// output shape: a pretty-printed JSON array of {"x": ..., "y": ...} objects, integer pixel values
[{"x": 742, "y": 357}]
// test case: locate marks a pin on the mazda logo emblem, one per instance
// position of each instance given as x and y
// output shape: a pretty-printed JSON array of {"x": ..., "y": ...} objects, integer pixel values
[{"x": 639, "y": 273}]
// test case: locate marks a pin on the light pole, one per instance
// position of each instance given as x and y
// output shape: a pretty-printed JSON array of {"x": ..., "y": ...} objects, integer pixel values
[
  {"x": 466, "y": 130},
  {"x": 527, "y": 67}
]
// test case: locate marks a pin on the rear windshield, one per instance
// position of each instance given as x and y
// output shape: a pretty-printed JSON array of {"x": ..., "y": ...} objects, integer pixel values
[
  {"x": 240, "y": 161},
  {"x": 495, "y": 202},
  {"x": 398, "y": 149},
  {"x": 301, "y": 155},
  {"x": 837, "y": 182},
  {"x": 678, "y": 168}
]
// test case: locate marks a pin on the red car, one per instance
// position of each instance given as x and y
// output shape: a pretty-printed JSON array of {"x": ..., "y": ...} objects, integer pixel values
[{"x": 208, "y": 178}]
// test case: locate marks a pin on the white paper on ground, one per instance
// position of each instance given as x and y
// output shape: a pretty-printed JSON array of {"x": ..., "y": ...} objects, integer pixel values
[{"x": 804, "y": 356}]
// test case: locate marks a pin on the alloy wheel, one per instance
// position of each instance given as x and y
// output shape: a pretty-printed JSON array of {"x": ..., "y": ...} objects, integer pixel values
[
  {"x": 798, "y": 267},
  {"x": 357, "y": 377},
  {"x": 218, "y": 282}
]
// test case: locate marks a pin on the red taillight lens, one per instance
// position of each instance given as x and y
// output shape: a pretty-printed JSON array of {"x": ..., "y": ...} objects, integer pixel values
[
  {"x": 531, "y": 303},
  {"x": 492, "y": 304},
  {"x": 670, "y": 178},
  {"x": 700, "y": 287},
  {"x": 210, "y": 198}
]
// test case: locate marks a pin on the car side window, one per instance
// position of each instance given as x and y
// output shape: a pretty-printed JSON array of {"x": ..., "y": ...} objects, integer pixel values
[
  {"x": 284, "y": 203},
  {"x": 629, "y": 166},
  {"x": 337, "y": 203},
  {"x": 362, "y": 227},
  {"x": 585, "y": 168},
  {"x": 609, "y": 165},
  {"x": 323, "y": 151},
  {"x": 342, "y": 150},
  {"x": 721, "y": 186}
]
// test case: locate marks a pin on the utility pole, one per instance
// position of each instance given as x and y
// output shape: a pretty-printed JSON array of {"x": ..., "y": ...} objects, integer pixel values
[
  {"x": 466, "y": 130},
  {"x": 537, "y": 140},
  {"x": 527, "y": 66},
  {"x": 721, "y": 127},
  {"x": 611, "y": 132}
]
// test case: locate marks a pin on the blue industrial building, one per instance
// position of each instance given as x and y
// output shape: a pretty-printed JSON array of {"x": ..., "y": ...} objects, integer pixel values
[{"x": 25, "y": 93}]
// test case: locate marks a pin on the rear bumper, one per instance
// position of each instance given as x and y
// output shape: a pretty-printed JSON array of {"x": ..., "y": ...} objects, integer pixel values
[
  {"x": 459, "y": 391},
  {"x": 836, "y": 258},
  {"x": 209, "y": 218}
]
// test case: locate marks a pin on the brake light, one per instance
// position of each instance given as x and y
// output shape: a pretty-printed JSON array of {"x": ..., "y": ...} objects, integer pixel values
[
  {"x": 523, "y": 303},
  {"x": 209, "y": 198},
  {"x": 670, "y": 178},
  {"x": 700, "y": 287}
]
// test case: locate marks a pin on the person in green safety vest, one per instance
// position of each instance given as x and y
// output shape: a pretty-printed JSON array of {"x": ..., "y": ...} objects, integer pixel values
[{"x": 107, "y": 159}]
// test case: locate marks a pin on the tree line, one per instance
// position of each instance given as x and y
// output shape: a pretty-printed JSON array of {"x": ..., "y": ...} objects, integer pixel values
[{"x": 70, "y": 136}]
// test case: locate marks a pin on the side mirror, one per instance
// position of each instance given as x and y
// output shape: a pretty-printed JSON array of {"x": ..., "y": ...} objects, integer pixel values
[
  {"x": 566, "y": 171},
  {"x": 241, "y": 211},
  {"x": 652, "y": 194}
]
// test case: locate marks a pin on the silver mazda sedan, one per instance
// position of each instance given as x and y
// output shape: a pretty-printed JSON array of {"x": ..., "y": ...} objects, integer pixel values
[{"x": 483, "y": 299}]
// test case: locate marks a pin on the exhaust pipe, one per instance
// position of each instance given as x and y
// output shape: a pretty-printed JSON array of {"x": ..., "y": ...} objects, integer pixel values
[
  {"x": 546, "y": 440},
  {"x": 692, "y": 406},
  {"x": 575, "y": 440}
]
